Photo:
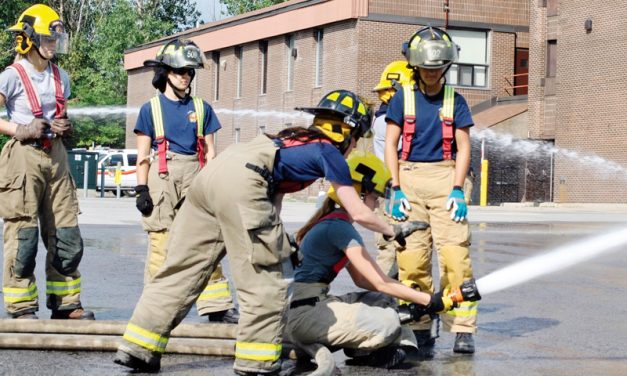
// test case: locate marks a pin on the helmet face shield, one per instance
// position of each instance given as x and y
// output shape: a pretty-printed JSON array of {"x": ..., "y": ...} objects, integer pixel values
[
  {"x": 58, "y": 34},
  {"x": 432, "y": 54}
]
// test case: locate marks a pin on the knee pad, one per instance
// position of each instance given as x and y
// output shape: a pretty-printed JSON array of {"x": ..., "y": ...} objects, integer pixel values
[
  {"x": 26, "y": 251},
  {"x": 69, "y": 250}
]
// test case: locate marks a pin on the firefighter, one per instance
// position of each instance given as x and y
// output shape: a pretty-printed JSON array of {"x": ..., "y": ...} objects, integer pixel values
[
  {"x": 428, "y": 173},
  {"x": 365, "y": 324},
  {"x": 240, "y": 217},
  {"x": 36, "y": 188},
  {"x": 394, "y": 76},
  {"x": 174, "y": 140}
]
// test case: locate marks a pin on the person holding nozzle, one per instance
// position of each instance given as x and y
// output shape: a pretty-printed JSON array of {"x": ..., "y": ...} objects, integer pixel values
[
  {"x": 174, "y": 140},
  {"x": 433, "y": 123},
  {"x": 36, "y": 188},
  {"x": 365, "y": 324},
  {"x": 394, "y": 76},
  {"x": 240, "y": 217}
]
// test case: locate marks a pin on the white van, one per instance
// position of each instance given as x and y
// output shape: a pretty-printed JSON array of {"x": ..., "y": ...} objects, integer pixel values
[{"x": 128, "y": 161}]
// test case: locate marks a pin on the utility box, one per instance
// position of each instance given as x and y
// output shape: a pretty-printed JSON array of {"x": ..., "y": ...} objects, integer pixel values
[{"x": 77, "y": 159}]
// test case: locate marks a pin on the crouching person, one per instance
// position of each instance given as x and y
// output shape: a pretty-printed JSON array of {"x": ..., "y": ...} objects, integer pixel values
[{"x": 365, "y": 324}]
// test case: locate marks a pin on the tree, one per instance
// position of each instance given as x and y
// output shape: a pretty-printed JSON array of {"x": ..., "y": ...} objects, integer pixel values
[{"x": 236, "y": 7}]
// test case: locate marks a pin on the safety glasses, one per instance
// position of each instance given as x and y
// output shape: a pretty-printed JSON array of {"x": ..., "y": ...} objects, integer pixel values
[{"x": 184, "y": 71}]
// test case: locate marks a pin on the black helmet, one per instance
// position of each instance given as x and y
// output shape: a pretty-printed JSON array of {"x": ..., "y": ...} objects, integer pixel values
[
  {"x": 430, "y": 48},
  {"x": 178, "y": 53},
  {"x": 347, "y": 107}
]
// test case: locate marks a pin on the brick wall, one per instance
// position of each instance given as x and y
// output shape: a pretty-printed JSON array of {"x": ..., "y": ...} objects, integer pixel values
[
  {"x": 590, "y": 92},
  {"x": 508, "y": 12}
]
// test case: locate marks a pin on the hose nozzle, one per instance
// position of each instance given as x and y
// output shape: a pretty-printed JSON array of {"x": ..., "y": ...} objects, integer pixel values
[{"x": 467, "y": 292}]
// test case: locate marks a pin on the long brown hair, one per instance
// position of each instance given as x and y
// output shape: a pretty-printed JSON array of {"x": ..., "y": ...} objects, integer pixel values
[
  {"x": 299, "y": 134},
  {"x": 327, "y": 207}
]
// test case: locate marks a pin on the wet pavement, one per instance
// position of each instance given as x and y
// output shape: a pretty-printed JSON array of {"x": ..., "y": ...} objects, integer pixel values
[{"x": 567, "y": 323}]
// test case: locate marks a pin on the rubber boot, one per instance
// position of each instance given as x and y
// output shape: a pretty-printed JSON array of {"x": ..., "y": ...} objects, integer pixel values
[
  {"x": 230, "y": 316},
  {"x": 464, "y": 343},
  {"x": 387, "y": 357},
  {"x": 73, "y": 314},
  {"x": 137, "y": 365},
  {"x": 288, "y": 368},
  {"x": 426, "y": 344},
  {"x": 25, "y": 316}
]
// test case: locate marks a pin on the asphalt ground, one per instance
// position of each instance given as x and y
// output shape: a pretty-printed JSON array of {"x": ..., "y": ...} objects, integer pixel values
[{"x": 571, "y": 322}]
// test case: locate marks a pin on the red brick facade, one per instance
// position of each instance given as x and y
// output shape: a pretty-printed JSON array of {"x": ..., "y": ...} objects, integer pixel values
[
  {"x": 582, "y": 107},
  {"x": 355, "y": 51}
]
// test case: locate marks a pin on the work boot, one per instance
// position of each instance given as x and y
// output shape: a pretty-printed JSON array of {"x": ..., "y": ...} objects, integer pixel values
[
  {"x": 230, "y": 316},
  {"x": 288, "y": 368},
  {"x": 25, "y": 316},
  {"x": 73, "y": 314},
  {"x": 127, "y": 360},
  {"x": 426, "y": 344},
  {"x": 464, "y": 343},
  {"x": 387, "y": 357}
]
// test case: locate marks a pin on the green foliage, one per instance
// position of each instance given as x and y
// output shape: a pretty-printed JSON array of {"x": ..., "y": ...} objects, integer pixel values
[
  {"x": 236, "y": 7},
  {"x": 100, "y": 31}
]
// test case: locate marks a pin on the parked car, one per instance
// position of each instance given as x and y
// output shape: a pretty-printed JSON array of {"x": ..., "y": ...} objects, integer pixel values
[{"x": 128, "y": 161}]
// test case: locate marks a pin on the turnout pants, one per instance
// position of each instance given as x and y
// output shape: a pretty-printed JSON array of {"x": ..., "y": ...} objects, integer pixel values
[
  {"x": 36, "y": 188},
  {"x": 386, "y": 258},
  {"x": 427, "y": 186},
  {"x": 227, "y": 209},
  {"x": 167, "y": 191},
  {"x": 358, "y": 320}
]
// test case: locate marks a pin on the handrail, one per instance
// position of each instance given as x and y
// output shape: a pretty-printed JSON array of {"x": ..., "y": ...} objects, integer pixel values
[{"x": 510, "y": 86}]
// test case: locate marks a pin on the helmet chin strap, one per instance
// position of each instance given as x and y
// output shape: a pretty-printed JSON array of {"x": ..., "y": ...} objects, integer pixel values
[{"x": 176, "y": 91}]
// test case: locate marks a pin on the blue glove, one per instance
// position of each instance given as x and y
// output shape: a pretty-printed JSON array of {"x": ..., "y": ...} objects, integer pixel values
[
  {"x": 396, "y": 204},
  {"x": 457, "y": 202}
]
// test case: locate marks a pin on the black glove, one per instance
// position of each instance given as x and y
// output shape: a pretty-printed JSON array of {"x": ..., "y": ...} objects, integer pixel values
[
  {"x": 143, "y": 202},
  {"x": 32, "y": 131},
  {"x": 403, "y": 230},
  {"x": 440, "y": 303}
]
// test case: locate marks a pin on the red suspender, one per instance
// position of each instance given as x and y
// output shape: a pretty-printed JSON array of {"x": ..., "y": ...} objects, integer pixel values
[{"x": 343, "y": 216}]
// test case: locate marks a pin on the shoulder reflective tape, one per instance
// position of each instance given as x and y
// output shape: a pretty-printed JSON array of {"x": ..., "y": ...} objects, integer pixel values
[
  {"x": 465, "y": 309},
  {"x": 258, "y": 351},
  {"x": 215, "y": 291},
  {"x": 199, "y": 107},
  {"x": 145, "y": 338},
  {"x": 16, "y": 294},
  {"x": 448, "y": 132},
  {"x": 409, "y": 120},
  {"x": 63, "y": 287},
  {"x": 157, "y": 117}
]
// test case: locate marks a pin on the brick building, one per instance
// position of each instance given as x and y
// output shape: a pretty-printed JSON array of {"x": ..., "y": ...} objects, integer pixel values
[
  {"x": 576, "y": 95},
  {"x": 265, "y": 63}
]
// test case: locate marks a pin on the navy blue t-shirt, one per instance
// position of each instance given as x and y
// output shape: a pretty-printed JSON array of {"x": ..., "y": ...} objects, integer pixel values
[
  {"x": 426, "y": 145},
  {"x": 311, "y": 161},
  {"x": 179, "y": 123},
  {"x": 323, "y": 246}
]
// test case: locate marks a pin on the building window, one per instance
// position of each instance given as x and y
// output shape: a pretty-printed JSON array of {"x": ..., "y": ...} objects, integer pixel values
[
  {"x": 551, "y": 7},
  {"x": 215, "y": 56},
  {"x": 472, "y": 66},
  {"x": 239, "y": 56},
  {"x": 291, "y": 55},
  {"x": 237, "y": 135},
  {"x": 263, "y": 49},
  {"x": 551, "y": 57},
  {"x": 318, "y": 79},
  {"x": 262, "y": 129}
]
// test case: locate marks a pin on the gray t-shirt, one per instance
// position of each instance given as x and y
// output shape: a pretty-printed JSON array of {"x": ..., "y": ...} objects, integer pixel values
[
  {"x": 323, "y": 247},
  {"x": 17, "y": 104},
  {"x": 378, "y": 140}
]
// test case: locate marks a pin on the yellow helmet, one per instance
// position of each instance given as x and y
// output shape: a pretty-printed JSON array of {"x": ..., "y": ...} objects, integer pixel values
[
  {"x": 396, "y": 74},
  {"x": 341, "y": 115},
  {"x": 368, "y": 172},
  {"x": 39, "y": 21}
]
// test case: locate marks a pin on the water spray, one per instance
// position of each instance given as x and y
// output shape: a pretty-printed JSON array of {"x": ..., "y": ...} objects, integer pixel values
[{"x": 558, "y": 259}]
